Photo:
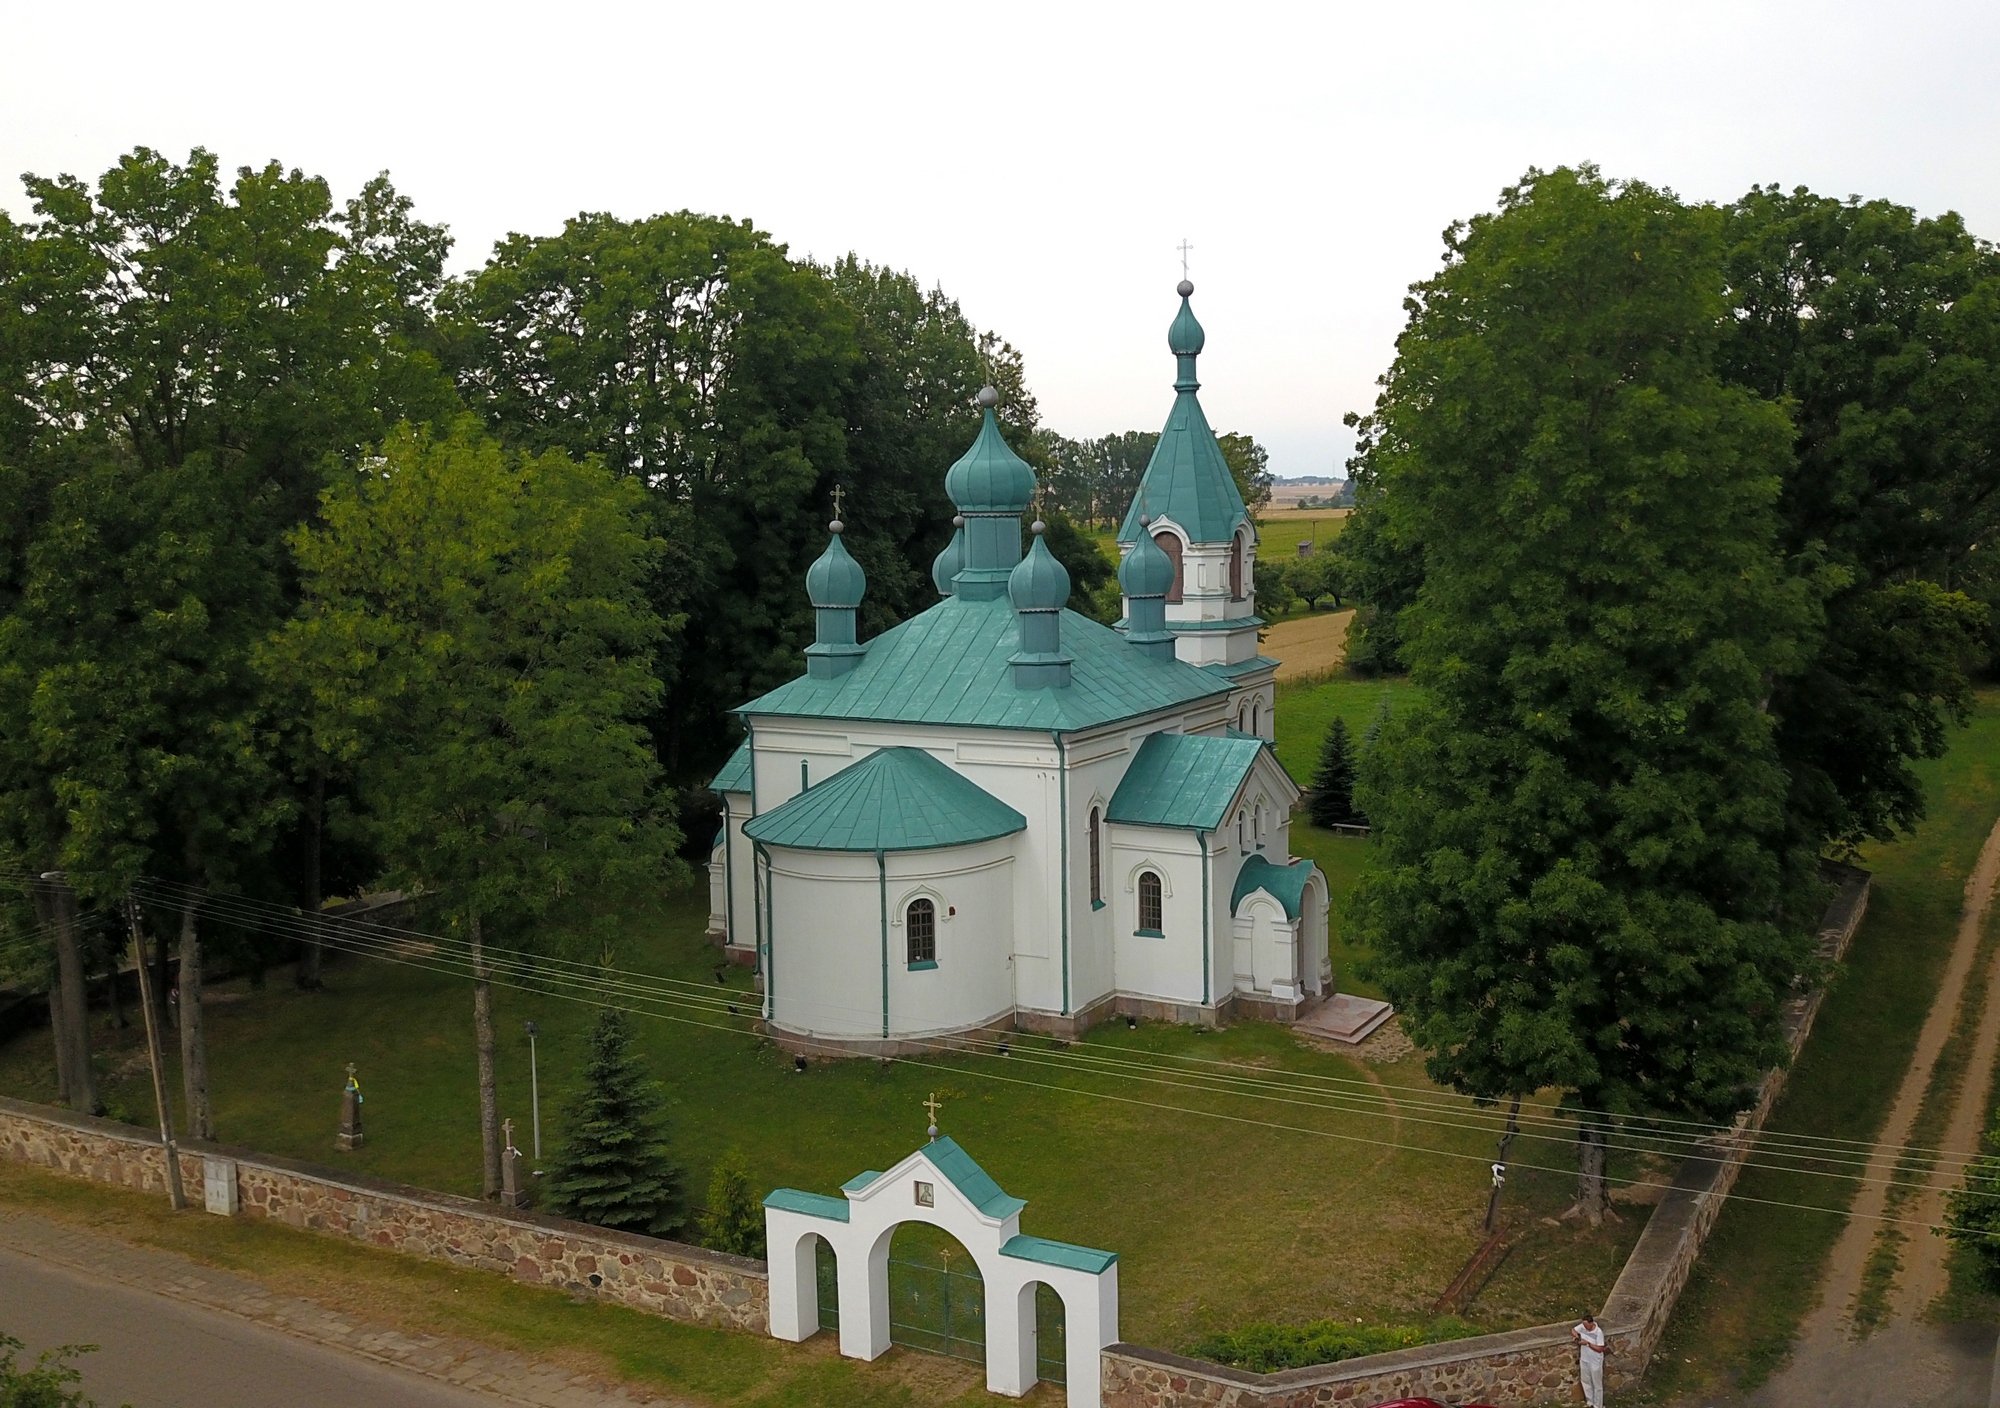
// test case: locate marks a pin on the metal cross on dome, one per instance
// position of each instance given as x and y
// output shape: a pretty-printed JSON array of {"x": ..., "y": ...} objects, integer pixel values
[
  {"x": 933, "y": 1105},
  {"x": 1185, "y": 247},
  {"x": 836, "y": 501}
]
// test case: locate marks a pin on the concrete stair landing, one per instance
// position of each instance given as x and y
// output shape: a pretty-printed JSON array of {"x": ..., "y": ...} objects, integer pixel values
[{"x": 1346, "y": 1018}]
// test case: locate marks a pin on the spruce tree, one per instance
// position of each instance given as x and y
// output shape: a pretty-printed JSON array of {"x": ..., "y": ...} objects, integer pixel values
[
  {"x": 1333, "y": 784},
  {"x": 734, "y": 1220},
  {"x": 615, "y": 1170}
]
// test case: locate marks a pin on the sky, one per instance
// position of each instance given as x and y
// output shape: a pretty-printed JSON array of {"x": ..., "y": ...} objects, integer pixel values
[{"x": 1043, "y": 162}]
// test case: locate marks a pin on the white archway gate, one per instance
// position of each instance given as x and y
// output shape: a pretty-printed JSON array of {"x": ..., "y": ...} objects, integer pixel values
[{"x": 941, "y": 1185}]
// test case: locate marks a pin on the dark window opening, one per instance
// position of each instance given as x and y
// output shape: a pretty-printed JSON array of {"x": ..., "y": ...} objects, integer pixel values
[
  {"x": 922, "y": 922},
  {"x": 1096, "y": 858},
  {"x": 1170, "y": 544},
  {"x": 1149, "y": 903}
]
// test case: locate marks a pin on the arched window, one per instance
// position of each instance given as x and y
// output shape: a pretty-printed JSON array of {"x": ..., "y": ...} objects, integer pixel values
[
  {"x": 1241, "y": 843},
  {"x": 1150, "y": 914},
  {"x": 1170, "y": 544},
  {"x": 921, "y": 921},
  {"x": 1236, "y": 568},
  {"x": 1255, "y": 710},
  {"x": 1257, "y": 828},
  {"x": 1096, "y": 857}
]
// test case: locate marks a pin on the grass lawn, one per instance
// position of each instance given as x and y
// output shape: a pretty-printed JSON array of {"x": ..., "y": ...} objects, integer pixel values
[
  {"x": 1280, "y": 531},
  {"x": 1760, "y": 1272},
  {"x": 1225, "y": 1208},
  {"x": 1307, "y": 709}
]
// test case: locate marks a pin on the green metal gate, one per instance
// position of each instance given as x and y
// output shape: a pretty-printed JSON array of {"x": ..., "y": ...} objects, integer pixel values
[
  {"x": 938, "y": 1305},
  {"x": 939, "y": 1308}
]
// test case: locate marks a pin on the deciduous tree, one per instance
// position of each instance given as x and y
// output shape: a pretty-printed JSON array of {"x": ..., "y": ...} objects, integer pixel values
[
  {"x": 476, "y": 634},
  {"x": 1587, "y": 879}
]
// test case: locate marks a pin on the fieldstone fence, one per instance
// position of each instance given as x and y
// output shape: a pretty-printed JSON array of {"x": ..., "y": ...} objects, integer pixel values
[
  {"x": 1519, "y": 1367},
  {"x": 1536, "y": 1365},
  {"x": 645, "y": 1273}
]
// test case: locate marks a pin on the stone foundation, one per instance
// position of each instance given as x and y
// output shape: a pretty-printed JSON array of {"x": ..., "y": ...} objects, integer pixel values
[{"x": 645, "y": 1273}]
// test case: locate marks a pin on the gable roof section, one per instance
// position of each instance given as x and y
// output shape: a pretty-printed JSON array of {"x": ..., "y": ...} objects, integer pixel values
[
  {"x": 1285, "y": 883},
  {"x": 1187, "y": 480},
  {"x": 970, "y": 1179},
  {"x": 948, "y": 665},
  {"x": 735, "y": 774},
  {"x": 895, "y": 799},
  {"x": 1049, "y": 1253},
  {"x": 1183, "y": 780}
]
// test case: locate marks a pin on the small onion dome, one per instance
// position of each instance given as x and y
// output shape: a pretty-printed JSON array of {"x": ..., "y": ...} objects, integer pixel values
[
  {"x": 836, "y": 579},
  {"x": 1146, "y": 570},
  {"x": 1038, "y": 582},
  {"x": 990, "y": 477},
  {"x": 1185, "y": 337},
  {"x": 949, "y": 563}
]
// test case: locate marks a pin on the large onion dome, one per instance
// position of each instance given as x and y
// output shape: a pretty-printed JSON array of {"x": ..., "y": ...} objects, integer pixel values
[{"x": 990, "y": 477}]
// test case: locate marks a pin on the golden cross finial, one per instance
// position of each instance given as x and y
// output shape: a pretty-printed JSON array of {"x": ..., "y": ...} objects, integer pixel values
[
  {"x": 836, "y": 501},
  {"x": 933, "y": 1105}
]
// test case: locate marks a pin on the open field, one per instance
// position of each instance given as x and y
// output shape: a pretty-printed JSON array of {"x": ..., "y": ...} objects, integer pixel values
[
  {"x": 1760, "y": 1273},
  {"x": 1280, "y": 531},
  {"x": 1311, "y": 645}
]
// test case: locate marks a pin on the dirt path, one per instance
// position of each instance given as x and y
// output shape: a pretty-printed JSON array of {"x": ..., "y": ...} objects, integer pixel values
[{"x": 1825, "y": 1330}]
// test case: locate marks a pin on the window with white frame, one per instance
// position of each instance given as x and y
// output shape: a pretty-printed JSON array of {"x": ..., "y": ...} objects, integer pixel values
[
  {"x": 920, "y": 921},
  {"x": 1151, "y": 911}
]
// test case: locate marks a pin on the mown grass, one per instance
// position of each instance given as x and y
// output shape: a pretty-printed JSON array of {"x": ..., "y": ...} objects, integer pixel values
[
  {"x": 1759, "y": 1275},
  {"x": 1307, "y": 709},
  {"x": 1280, "y": 532}
]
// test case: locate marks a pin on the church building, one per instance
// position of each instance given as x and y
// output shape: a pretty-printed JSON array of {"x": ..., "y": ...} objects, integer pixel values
[{"x": 1000, "y": 814}]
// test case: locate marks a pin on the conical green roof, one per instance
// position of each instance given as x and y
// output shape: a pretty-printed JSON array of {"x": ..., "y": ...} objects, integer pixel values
[
  {"x": 1187, "y": 480},
  {"x": 895, "y": 799}
]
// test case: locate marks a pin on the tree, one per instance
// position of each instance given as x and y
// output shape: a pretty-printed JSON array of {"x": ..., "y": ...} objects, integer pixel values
[
  {"x": 734, "y": 1219},
  {"x": 1882, "y": 332},
  {"x": 1318, "y": 574},
  {"x": 181, "y": 361},
  {"x": 1333, "y": 782},
  {"x": 613, "y": 1169},
  {"x": 1587, "y": 881},
  {"x": 1381, "y": 567},
  {"x": 476, "y": 639}
]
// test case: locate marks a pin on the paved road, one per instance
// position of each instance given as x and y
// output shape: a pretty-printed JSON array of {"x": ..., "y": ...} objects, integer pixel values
[
  {"x": 175, "y": 1332},
  {"x": 161, "y": 1353}
]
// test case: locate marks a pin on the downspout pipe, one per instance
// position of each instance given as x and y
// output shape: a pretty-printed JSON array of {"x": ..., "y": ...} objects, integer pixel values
[
  {"x": 1201, "y": 839},
  {"x": 1062, "y": 809},
  {"x": 769, "y": 894},
  {"x": 882, "y": 877}
]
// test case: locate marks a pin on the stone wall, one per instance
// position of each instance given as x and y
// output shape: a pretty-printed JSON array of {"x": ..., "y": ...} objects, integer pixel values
[
  {"x": 662, "y": 1278},
  {"x": 1522, "y": 1366}
]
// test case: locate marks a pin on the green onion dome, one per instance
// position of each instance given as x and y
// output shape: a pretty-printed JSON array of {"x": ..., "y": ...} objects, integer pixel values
[
  {"x": 949, "y": 563},
  {"x": 1185, "y": 337},
  {"x": 1038, "y": 582},
  {"x": 836, "y": 579},
  {"x": 990, "y": 477},
  {"x": 1146, "y": 570}
]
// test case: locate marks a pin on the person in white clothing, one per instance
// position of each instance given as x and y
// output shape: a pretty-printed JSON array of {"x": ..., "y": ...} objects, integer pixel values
[{"x": 1589, "y": 1337}]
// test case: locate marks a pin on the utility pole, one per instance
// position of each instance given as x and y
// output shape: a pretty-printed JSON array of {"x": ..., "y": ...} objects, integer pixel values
[
  {"x": 176, "y": 1195},
  {"x": 535, "y": 1089}
]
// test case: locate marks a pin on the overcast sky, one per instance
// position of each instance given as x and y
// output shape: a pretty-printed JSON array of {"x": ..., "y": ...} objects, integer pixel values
[{"x": 1042, "y": 162}]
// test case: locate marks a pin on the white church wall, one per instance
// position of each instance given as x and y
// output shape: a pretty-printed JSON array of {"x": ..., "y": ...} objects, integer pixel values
[
  {"x": 826, "y": 955},
  {"x": 1168, "y": 966}
]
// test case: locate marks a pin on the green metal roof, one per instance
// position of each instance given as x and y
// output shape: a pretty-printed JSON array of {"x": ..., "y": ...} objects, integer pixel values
[
  {"x": 1183, "y": 780},
  {"x": 811, "y": 1204},
  {"x": 1187, "y": 480},
  {"x": 735, "y": 774},
  {"x": 1244, "y": 667},
  {"x": 970, "y": 1179},
  {"x": 948, "y": 665},
  {"x": 895, "y": 799},
  {"x": 860, "y": 1181},
  {"x": 1049, "y": 1253},
  {"x": 1286, "y": 883}
]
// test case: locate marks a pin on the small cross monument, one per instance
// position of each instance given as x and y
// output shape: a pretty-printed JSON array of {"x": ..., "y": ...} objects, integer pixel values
[{"x": 510, "y": 1167}]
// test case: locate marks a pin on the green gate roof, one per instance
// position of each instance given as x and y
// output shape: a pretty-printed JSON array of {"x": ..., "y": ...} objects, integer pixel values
[
  {"x": 1183, "y": 780},
  {"x": 1286, "y": 883},
  {"x": 895, "y": 799},
  {"x": 948, "y": 665}
]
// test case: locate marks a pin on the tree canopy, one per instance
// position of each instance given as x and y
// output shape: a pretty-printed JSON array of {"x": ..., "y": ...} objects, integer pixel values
[{"x": 1587, "y": 877}]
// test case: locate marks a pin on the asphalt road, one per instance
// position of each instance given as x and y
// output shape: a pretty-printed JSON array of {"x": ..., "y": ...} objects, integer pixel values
[{"x": 160, "y": 1353}]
